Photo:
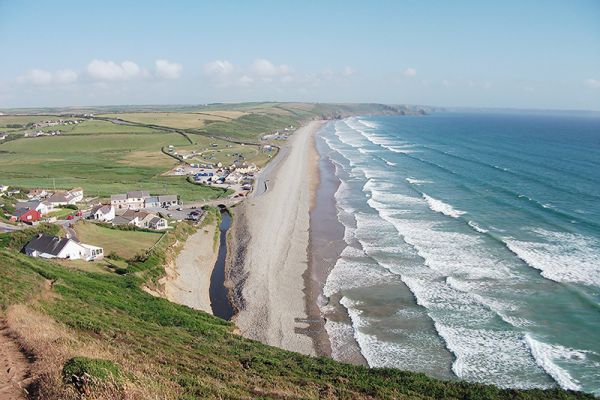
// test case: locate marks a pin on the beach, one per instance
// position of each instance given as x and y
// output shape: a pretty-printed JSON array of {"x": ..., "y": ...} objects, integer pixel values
[
  {"x": 271, "y": 238},
  {"x": 188, "y": 281}
]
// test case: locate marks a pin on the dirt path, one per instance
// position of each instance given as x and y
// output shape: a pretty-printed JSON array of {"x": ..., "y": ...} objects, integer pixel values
[{"x": 14, "y": 367}]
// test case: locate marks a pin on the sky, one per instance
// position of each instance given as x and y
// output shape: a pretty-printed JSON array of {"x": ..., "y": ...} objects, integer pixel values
[{"x": 519, "y": 54}]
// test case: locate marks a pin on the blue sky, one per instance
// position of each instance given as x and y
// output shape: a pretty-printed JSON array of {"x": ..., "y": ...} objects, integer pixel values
[{"x": 523, "y": 54}]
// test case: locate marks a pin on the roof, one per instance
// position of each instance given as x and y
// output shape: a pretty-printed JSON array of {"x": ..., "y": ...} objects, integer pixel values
[
  {"x": 47, "y": 244},
  {"x": 22, "y": 211},
  {"x": 103, "y": 208},
  {"x": 152, "y": 199},
  {"x": 138, "y": 194},
  {"x": 59, "y": 197},
  {"x": 114, "y": 197},
  {"x": 155, "y": 220},
  {"x": 167, "y": 198},
  {"x": 28, "y": 204}
]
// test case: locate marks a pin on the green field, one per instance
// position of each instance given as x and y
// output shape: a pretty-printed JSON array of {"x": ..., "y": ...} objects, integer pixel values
[
  {"x": 125, "y": 244},
  {"x": 101, "y": 163},
  {"x": 157, "y": 349}
]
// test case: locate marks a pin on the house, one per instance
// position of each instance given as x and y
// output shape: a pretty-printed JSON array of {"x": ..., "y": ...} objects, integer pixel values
[
  {"x": 151, "y": 201},
  {"x": 3, "y": 188},
  {"x": 129, "y": 217},
  {"x": 158, "y": 223},
  {"x": 168, "y": 200},
  {"x": 131, "y": 200},
  {"x": 46, "y": 246},
  {"x": 118, "y": 201},
  {"x": 37, "y": 193},
  {"x": 27, "y": 215},
  {"x": 43, "y": 207},
  {"x": 103, "y": 212},
  {"x": 72, "y": 196}
]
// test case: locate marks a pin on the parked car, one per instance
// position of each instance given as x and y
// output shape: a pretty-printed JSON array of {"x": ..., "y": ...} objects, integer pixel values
[{"x": 70, "y": 217}]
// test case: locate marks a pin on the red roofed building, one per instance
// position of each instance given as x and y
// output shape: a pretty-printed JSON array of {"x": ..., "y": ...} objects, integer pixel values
[{"x": 28, "y": 216}]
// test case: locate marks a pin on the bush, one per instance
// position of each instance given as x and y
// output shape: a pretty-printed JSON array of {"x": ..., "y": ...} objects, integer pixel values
[
  {"x": 70, "y": 206},
  {"x": 16, "y": 240},
  {"x": 84, "y": 371}
]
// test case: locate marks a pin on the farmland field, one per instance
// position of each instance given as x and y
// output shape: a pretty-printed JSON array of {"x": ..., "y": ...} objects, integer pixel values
[
  {"x": 101, "y": 163},
  {"x": 178, "y": 120}
]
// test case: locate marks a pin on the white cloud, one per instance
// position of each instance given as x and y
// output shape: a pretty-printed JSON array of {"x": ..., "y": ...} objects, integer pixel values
[
  {"x": 348, "y": 71},
  {"x": 66, "y": 76},
  {"x": 111, "y": 71},
  {"x": 592, "y": 83},
  {"x": 219, "y": 68},
  {"x": 168, "y": 70},
  {"x": 37, "y": 77},
  {"x": 409, "y": 72},
  {"x": 266, "y": 68}
]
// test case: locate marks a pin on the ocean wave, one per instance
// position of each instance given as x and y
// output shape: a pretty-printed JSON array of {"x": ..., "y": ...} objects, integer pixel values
[
  {"x": 441, "y": 207},
  {"x": 493, "y": 357},
  {"x": 545, "y": 355},
  {"x": 560, "y": 256},
  {"x": 477, "y": 227},
  {"x": 369, "y": 124},
  {"x": 391, "y": 164},
  {"x": 414, "y": 181}
]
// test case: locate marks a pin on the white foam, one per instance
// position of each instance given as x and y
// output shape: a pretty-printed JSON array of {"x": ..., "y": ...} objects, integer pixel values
[
  {"x": 391, "y": 164},
  {"x": 561, "y": 256},
  {"x": 477, "y": 227},
  {"x": 545, "y": 355},
  {"x": 353, "y": 270},
  {"x": 414, "y": 181},
  {"x": 491, "y": 356},
  {"x": 339, "y": 334},
  {"x": 441, "y": 207},
  {"x": 368, "y": 124}
]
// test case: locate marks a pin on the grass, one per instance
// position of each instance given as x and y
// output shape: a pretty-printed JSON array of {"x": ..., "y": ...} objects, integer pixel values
[
  {"x": 102, "y": 164},
  {"x": 189, "y": 354},
  {"x": 124, "y": 243},
  {"x": 106, "y": 325}
]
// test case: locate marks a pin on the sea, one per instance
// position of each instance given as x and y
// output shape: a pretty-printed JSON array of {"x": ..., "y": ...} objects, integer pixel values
[{"x": 471, "y": 246}]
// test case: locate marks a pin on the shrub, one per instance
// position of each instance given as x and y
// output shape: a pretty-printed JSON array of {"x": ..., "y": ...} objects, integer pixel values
[{"x": 84, "y": 371}]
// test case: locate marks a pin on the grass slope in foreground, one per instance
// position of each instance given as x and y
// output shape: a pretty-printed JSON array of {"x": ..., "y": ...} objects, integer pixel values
[{"x": 133, "y": 345}]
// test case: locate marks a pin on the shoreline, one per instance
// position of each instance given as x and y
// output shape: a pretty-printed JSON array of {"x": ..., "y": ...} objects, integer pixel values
[{"x": 270, "y": 243}]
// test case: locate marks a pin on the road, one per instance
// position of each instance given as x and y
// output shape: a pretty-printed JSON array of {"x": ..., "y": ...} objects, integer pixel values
[
  {"x": 261, "y": 183},
  {"x": 4, "y": 227}
]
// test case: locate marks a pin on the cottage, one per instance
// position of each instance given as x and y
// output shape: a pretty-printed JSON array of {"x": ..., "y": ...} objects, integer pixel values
[
  {"x": 103, "y": 212},
  {"x": 158, "y": 223},
  {"x": 3, "y": 188},
  {"x": 133, "y": 200},
  {"x": 72, "y": 196},
  {"x": 151, "y": 201},
  {"x": 27, "y": 215},
  {"x": 37, "y": 193},
  {"x": 43, "y": 207},
  {"x": 46, "y": 246}
]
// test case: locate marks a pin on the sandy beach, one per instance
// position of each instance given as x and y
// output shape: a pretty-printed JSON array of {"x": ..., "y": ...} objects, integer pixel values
[
  {"x": 188, "y": 281},
  {"x": 271, "y": 236}
]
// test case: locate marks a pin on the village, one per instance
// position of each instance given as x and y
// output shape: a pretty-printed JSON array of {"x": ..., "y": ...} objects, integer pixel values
[{"x": 70, "y": 209}]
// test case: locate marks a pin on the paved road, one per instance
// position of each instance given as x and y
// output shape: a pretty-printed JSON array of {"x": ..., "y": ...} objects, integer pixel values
[
  {"x": 261, "y": 185},
  {"x": 10, "y": 228}
]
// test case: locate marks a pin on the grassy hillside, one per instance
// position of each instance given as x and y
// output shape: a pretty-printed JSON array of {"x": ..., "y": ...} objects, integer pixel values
[{"x": 133, "y": 345}]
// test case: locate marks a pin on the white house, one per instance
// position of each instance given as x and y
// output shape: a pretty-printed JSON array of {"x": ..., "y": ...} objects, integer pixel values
[
  {"x": 72, "y": 196},
  {"x": 103, "y": 212},
  {"x": 43, "y": 207},
  {"x": 131, "y": 200},
  {"x": 46, "y": 246}
]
